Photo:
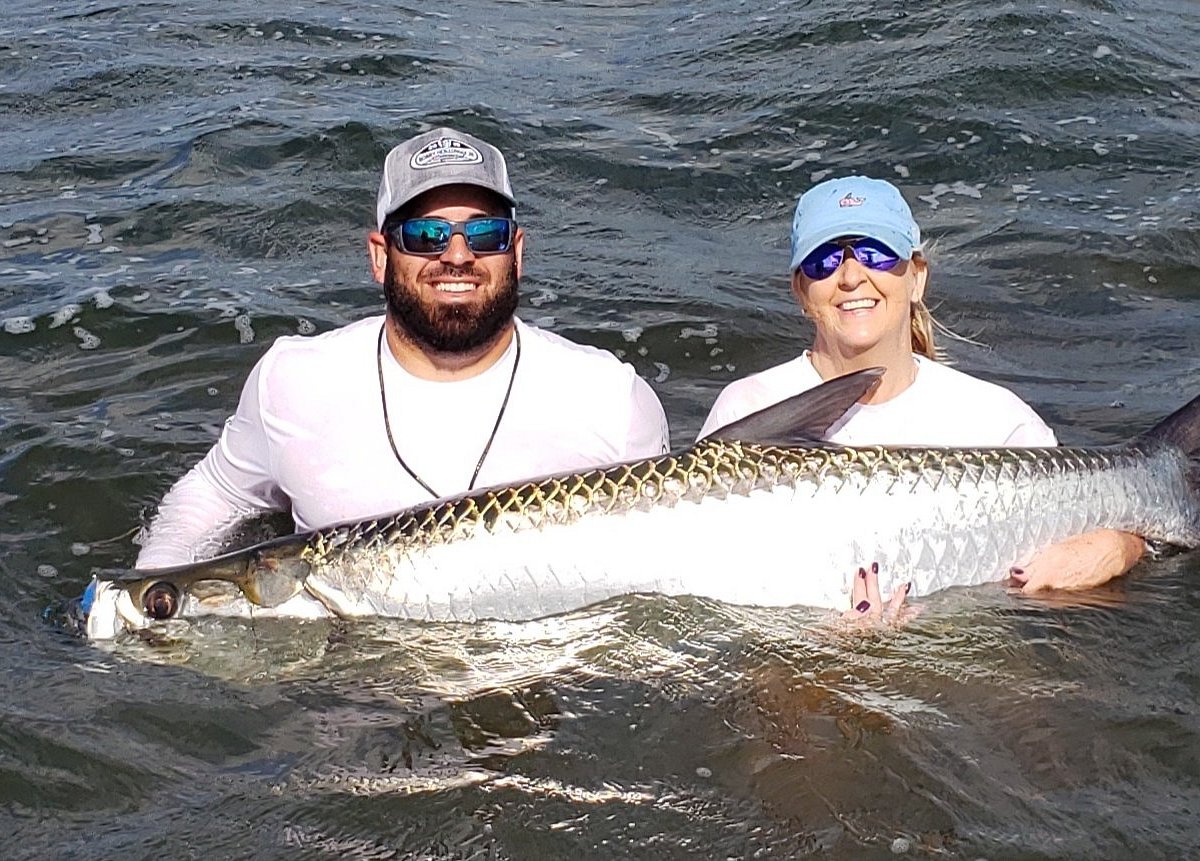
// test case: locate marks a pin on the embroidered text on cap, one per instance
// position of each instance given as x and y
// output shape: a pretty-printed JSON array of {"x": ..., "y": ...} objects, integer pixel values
[
  {"x": 851, "y": 200},
  {"x": 444, "y": 151}
]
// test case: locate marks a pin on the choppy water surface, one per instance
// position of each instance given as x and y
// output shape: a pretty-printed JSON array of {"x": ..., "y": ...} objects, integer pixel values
[{"x": 180, "y": 183}]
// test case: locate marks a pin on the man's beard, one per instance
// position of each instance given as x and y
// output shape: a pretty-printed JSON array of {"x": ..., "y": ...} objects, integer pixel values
[{"x": 450, "y": 328}]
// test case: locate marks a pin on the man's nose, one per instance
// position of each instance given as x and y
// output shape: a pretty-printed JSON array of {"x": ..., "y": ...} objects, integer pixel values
[{"x": 457, "y": 251}]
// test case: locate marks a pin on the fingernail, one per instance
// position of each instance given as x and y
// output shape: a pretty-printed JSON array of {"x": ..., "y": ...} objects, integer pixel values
[
  {"x": 1018, "y": 571},
  {"x": 863, "y": 606},
  {"x": 907, "y": 587},
  {"x": 862, "y": 573},
  {"x": 874, "y": 567}
]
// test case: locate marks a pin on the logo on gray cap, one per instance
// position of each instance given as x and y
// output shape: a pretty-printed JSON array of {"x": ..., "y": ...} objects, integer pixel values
[
  {"x": 439, "y": 157},
  {"x": 444, "y": 151}
]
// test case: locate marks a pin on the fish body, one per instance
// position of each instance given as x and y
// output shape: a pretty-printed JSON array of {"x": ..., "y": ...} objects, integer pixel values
[
  {"x": 744, "y": 524},
  {"x": 766, "y": 523}
]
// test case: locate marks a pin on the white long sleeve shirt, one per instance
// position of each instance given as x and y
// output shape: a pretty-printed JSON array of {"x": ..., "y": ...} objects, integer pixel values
[
  {"x": 309, "y": 433},
  {"x": 943, "y": 407}
]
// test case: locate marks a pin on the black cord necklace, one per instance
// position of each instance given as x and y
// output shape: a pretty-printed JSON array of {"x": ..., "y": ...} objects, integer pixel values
[{"x": 387, "y": 425}]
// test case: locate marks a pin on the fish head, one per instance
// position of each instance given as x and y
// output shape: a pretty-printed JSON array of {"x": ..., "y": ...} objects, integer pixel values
[{"x": 266, "y": 576}]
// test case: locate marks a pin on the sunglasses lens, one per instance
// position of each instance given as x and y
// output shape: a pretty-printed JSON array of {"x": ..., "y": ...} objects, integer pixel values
[
  {"x": 488, "y": 235},
  {"x": 825, "y": 259},
  {"x": 425, "y": 235},
  {"x": 432, "y": 235},
  {"x": 822, "y": 262},
  {"x": 875, "y": 255}
]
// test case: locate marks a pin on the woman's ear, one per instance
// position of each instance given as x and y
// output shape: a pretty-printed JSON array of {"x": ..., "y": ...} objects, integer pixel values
[
  {"x": 920, "y": 270},
  {"x": 798, "y": 291}
]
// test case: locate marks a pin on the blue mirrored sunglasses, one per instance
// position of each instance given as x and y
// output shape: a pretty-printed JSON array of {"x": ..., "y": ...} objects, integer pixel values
[
  {"x": 431, "y": 236},
  {"x": 827, "y": 257}
]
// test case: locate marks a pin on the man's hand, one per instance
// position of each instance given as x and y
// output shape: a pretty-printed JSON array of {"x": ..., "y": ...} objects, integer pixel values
[{"x": 1081, "y": 562}]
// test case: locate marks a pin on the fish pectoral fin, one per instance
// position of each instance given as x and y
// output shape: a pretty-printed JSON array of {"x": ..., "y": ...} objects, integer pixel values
[
  {"x": 270, "y": 581},
  {"x": 803, "y": 418}
]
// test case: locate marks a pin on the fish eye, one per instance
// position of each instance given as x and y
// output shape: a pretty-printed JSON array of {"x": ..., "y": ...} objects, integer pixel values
[{"x": 161, "y": 601}]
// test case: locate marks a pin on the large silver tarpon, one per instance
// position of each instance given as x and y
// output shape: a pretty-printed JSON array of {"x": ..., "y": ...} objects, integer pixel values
[{"x": 776, "y": 521}]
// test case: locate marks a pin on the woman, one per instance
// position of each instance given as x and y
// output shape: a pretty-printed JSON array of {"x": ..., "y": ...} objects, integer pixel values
[{"x": 859, "y": 275}]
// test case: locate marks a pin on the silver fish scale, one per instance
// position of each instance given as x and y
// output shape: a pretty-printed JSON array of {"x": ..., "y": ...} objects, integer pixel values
[{"x": 747, "y": 524}]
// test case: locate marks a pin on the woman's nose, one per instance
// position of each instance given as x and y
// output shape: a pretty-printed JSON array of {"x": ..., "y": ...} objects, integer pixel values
[{"x": 851, "y": 273}]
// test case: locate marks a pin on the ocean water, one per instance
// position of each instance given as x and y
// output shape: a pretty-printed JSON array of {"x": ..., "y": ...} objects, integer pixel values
[{"x": 180, "y": 183}]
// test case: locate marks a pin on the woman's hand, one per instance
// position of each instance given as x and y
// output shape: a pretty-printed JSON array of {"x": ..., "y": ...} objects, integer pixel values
[
  {"x": 866, "y": 605},
  {"x": 1080, "y": 562}
]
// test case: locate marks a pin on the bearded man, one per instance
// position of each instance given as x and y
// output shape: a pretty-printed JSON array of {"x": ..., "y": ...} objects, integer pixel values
[{"x": 445, "y": 392}]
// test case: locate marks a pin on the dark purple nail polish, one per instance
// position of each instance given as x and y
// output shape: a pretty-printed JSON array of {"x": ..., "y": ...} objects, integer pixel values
[
  {"x": 1016, "y": 572},
  {"x": 862, "y": 573},
  {"x": 874, "y": 567},
  {"x": 863, "y": 606},
  {"x": 907, "y": 587}
]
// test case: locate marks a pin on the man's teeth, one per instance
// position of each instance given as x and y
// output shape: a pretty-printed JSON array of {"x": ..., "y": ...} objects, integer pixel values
[
  {"x": 856, "y": 304},
  {"x": 454, "y": 286}
]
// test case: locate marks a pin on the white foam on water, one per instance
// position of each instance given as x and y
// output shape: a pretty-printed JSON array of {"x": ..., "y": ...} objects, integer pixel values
[
  {"x": 244, "y": 327},
  {"x": 19, "y": 325},
  {"x": 64, "y": 315},
  {"x": 87, "y": 341},
  {"x": 708, "y": 330}
]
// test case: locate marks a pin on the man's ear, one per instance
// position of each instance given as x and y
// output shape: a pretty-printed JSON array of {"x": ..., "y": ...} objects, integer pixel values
[
  {"x": 518, "y": 250},
  {"x": 377, "y": 251}
]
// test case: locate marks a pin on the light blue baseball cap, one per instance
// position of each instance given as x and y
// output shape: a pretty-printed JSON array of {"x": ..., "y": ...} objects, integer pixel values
[{"x": 853, "y": 206}]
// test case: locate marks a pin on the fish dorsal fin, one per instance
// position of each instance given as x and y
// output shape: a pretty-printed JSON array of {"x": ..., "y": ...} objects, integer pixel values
[{"x": 803, "y": 418}]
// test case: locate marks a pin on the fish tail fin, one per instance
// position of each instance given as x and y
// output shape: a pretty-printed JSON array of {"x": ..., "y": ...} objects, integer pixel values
[{"x": 1181, "y": 429}]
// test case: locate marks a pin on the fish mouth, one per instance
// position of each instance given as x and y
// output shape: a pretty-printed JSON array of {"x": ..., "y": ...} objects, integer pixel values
[{"x": 103, "y": 611}]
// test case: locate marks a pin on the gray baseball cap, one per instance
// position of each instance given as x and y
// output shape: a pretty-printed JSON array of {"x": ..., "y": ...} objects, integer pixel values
[{"x": 440, "y": 157}]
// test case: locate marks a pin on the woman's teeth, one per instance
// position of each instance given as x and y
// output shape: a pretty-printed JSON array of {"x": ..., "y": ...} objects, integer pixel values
[{"x": 857, "y": 304}]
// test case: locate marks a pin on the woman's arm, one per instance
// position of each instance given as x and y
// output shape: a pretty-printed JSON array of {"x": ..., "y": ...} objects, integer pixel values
[{"x": 1080, "y": 562}]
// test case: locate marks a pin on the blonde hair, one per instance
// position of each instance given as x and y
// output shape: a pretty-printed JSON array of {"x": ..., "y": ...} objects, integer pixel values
[{"x": 921, "y": 324}]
